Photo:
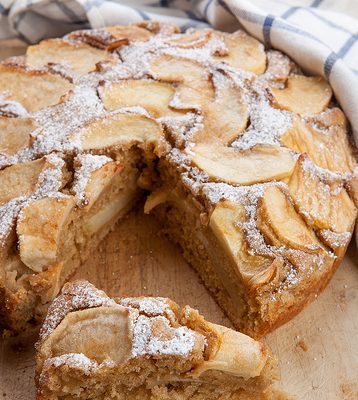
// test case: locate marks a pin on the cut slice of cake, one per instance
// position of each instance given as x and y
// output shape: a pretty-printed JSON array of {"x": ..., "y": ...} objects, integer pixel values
[{"x": 94, "y": 347}]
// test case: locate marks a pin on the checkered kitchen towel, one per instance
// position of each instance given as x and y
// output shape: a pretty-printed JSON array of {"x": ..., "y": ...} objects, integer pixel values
[{"x": 320, "y": 35}]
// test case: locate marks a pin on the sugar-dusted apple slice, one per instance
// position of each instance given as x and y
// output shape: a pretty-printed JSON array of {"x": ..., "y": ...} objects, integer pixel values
[
  {"x": 255, "y": 270},
  {"x": 194, "y": 85},
  {"x": 20, "y": 179},
  {"x": 328, "y": 118},
  {"x": 104, "y": 189},
  {"x": 41, "y": 229},
  {"x": 329, "y": 149},
  {"x": 92, "y": 174},
  {"x": 243, "y": 52},
  {"x": 227, "y": 116},
  {"x": 303, "y": 95},
  {"x": 110, "y": 38},
  {"x": 120, "y": 130},
  {"x": 34, "y": 89},
  {"x": 190, "y": 40},
  {"x": 15, "y": 134},
  {"x": 278, "y": 68},
  {"x": 152, "y": 95},
  {"x": 156, "y": 27},
  {"x": 281, "y": 225},
  {"x": 323, "y": 202},
  {"x": 262, "y": 163},
  {"x": 168, "y": 349},
  {"x": 80, "y": 57}
]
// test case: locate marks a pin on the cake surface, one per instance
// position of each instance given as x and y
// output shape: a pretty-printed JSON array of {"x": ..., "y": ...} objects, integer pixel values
[
  {"x": 95, "y": 347},
  {"x": 245, "y": 161}
]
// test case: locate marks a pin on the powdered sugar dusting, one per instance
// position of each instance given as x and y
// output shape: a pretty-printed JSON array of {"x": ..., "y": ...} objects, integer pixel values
[
  {"x": 180, "y": 343},
  {"x": 74, "y": 296},
  {"x": 151, "y": 306},
  {"x": 88, "y": 164},
  {"x": 10, "y": 108},
  {"x": 73, "y": 360},
  {"x": 267, "y": 125}
]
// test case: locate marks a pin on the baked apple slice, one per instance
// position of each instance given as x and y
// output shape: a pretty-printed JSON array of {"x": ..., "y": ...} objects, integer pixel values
[
  {"x": 323, "y": 203},
  {"x": 329, "y": 149},
  {"x": 261, "y": 163},
  {"x": 152, "y": 95},
  {"x": 34, "y": 89},
  {"x": 104, "y": 189},
  {"x": 255, "y": 270},
  {"x": 227, "y": 116},
  {"x": 21, "y": 179},
  {"x": 281, "y": 225},
  {"x": 303, "y": 95},
  {"x": 15, "y": 134},
  {"x": 244, "y": 52},
  {"x": 110, "y": 38},
  {"x": 41, "y": 227},
  {"x": 120, "y": 130},
  {"x": 279, "y": 67},
  {"x": 190, "y": 40},
  {"x": 80, "y": 57},
  {"x": 194, "y": 85}
]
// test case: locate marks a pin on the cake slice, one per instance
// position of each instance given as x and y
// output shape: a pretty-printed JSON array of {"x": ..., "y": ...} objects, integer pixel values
[{"x": 95, "y": 347}]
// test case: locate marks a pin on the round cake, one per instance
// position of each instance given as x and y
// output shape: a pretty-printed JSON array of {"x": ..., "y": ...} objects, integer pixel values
[{"x": 245, "y": 161}]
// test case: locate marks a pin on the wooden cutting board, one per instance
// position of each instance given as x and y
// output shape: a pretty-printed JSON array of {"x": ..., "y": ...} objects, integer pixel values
[{"x": 318, "y": 350}]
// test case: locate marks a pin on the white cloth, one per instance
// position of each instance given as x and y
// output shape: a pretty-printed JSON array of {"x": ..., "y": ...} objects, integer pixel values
[{"x": 320, "y": 35}]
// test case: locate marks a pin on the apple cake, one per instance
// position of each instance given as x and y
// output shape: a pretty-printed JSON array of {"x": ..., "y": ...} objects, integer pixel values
[
  {"x": 245, "y": 161},
  {"x": 95, "y": 347}
]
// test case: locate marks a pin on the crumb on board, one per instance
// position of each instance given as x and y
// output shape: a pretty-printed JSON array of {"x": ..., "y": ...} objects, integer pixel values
[{"x": 303, "y": 345}]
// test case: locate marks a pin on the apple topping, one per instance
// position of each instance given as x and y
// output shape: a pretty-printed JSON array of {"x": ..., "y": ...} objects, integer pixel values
[
  {"x": 118, "y": 130},
  {"x": 332, "y": 116},
  {"x": 238, "y": 354},
  {"x": 255, "y": 270},
  {"x": 156, "y": 27},
  {"x": 194, "y": 86},
  {"x": 101, "y": 333},
  {"x": 152, "y": 95},
  {"x": 190, "y": 40},
  {"x": 323, "y": 203},
  {"x": 40, "y": 228},
  {"x": 15, "y": 134},
  {"x": 281, "y": 225},
  {"x": 123, "y": 192},
  {"x": 279, "y": 66},
  {"x": 90, "y": 183},
  {"x": 303, "y": 95},
  {"x": 328, "y": 149},
  {"x": 112, "y": 37},
  {"x": 243, "y": 52},
  {"x": 20, "y": 179},
  {"x": 225, "y": 117},
  {"x": 261, "y": 163},
  {"x": 80, "y": 57},
  {"x": 34, "y": 89}
]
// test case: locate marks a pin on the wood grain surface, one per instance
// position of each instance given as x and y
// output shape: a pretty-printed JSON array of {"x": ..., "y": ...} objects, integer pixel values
[{"x": 318, "y": 350}]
